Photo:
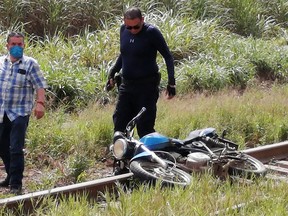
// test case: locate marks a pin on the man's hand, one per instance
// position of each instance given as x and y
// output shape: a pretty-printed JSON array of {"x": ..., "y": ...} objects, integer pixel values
[
  {"x": 109, "y": 85},
  {"x": 170, "y": 91},
  {"x": 39, "y": 110}
]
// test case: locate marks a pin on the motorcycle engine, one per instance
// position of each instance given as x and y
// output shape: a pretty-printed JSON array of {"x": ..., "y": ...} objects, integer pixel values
[{"x": 197, "y": 160}]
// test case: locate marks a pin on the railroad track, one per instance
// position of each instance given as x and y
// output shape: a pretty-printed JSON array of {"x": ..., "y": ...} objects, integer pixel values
[
  {"x": 277, "y": 153},
  {"x": 91, "y": 189},
  {"x": 275, "y": 158}
]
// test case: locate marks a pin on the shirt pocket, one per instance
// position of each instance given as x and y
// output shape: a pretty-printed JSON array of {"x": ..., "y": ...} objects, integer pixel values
[{"x": 20, "y": 80}]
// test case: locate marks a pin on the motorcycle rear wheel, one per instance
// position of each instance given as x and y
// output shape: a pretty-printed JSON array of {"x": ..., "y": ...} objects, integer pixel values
[
  {"x": 149, "y": 171},
  {"x": 246, "y": 166}
]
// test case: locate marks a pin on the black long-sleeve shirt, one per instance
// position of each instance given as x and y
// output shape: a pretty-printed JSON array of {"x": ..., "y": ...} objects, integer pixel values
[{"x": 138, "y": 54}]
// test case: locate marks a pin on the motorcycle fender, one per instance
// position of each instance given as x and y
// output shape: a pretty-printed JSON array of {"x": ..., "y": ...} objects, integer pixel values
[{"x": 141, "y": 155}]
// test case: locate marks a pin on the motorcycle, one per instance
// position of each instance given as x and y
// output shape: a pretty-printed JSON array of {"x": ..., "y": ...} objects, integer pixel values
[
  {"x": 131, "y": 155},
  {"x": 205, "y": 150}
]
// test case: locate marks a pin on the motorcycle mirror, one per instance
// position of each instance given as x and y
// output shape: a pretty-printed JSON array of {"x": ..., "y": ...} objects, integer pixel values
[
  {"x": 130, "y": 126},
  {"x": 224, "y": 133},
  {"x": 140, "y": 113}
]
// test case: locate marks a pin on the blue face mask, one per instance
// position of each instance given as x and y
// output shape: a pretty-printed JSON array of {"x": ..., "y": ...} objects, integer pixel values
[{"x": 16, "y": 52}]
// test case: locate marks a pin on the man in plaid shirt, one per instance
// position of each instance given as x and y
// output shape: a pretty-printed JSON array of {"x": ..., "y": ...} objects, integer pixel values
[{"x": 20, "y": 80}]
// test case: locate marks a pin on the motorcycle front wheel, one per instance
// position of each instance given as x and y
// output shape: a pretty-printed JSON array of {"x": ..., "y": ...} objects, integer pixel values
[
  {"x": 149, "y": 171},
  {"x": 245, "y": 166}
]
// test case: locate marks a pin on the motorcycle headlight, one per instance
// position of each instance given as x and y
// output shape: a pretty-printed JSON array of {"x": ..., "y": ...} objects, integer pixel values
[{"x": 119, "y": 148}]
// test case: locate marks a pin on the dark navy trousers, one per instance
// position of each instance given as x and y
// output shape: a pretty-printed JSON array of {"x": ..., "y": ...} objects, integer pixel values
[
  {"x": 12, "y": 139},
  {"x": 131, "y": 98}
]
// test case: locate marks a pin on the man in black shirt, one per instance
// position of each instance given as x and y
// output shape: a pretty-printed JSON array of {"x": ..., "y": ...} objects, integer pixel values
[{"x": 139, "y": 43}]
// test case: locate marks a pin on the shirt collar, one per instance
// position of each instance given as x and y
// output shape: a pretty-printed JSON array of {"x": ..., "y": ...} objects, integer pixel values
[{"x": 19, "y": 61}]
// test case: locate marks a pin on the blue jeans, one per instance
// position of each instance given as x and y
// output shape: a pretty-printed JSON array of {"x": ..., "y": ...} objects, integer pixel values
[{"x": 12, "y": 139}]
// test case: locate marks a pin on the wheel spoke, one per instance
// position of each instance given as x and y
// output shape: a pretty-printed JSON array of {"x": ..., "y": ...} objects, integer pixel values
[{"x": 169, "y": 175}]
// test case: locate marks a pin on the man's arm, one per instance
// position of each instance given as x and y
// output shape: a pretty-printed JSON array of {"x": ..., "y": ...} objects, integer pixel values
[
  {"x": 40, "y": 103},
  {"x": 163, "y": 48},
  {"x": 116, "y": 68}
]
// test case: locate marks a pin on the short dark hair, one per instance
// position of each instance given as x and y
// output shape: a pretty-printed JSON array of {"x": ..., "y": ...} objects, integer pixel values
[
  {"x": 14, "y": 34},
  {"x": 133, "y": 13}
]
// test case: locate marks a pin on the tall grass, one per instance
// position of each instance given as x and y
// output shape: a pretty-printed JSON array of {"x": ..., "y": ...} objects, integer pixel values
[
  {"x": 76, "y": 69},
  {"x": 48, "y": 17},
  {"x": 77, "y": 42}
]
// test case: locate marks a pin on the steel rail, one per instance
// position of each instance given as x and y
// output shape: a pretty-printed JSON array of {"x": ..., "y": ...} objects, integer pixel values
[
  {"x": 91, "y": 189},
  {"x": 268, "y": 152},
  {"x": 28, "y": 202}
]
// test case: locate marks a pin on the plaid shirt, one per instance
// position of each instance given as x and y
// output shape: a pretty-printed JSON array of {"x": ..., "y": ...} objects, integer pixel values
[{"x": 18, "y": 82}]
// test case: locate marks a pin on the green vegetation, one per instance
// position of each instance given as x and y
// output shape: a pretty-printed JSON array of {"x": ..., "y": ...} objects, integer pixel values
[
  {"x": 231, "y": 71},
  {"x": 216, "y": 44}
]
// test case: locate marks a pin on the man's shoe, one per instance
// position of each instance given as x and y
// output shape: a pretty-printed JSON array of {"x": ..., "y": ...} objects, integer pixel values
[
  {"x": 17, "y": 190},
  {"x": 4, "y": 183}
]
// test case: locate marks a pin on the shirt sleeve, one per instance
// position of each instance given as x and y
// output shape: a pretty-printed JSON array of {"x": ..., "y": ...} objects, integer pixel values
[
  {"x": 161, "y": 45},
  {"x": 116, "y": 68},
  {"x": 118, "y": 65},
  {"x": 37, "y": 78}
]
